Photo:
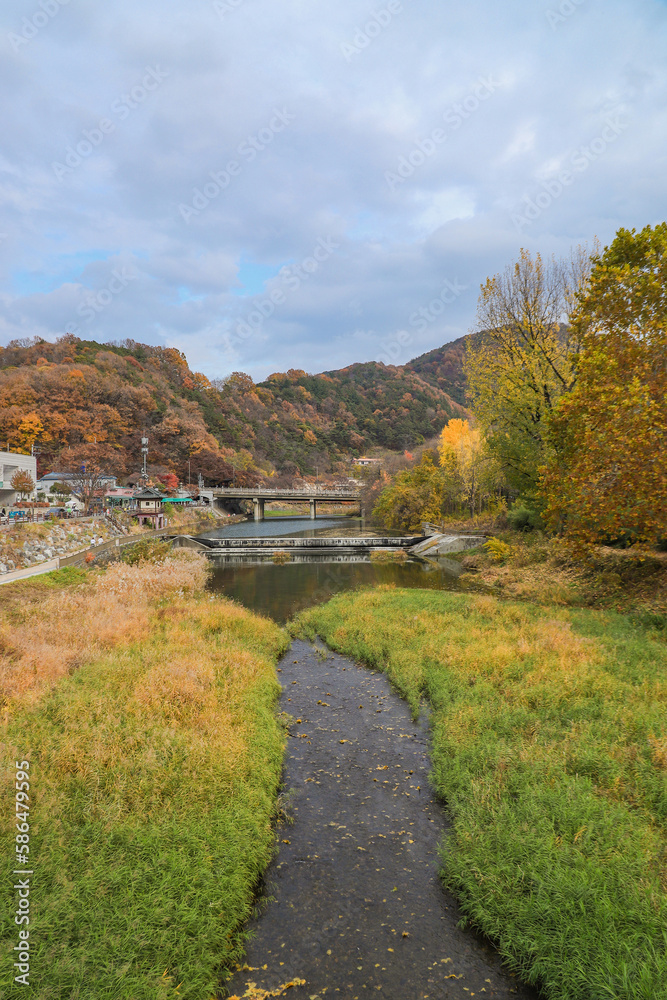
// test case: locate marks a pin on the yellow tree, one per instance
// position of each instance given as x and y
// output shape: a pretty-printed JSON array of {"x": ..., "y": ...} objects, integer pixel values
[
  {"x": 416, "y": 495},
  {"x": 469, "y": 468},
  {"x": 608, "y": 478},
  {"x": 521, "y": 361},
  {"x": 29, "y": 430}
]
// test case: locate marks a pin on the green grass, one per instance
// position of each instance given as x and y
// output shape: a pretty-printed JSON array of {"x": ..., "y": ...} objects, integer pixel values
[
  {"x": 33, "y": 588},
  {"x": 550, "y": 751},
  {"x": 154, "y": 774}
]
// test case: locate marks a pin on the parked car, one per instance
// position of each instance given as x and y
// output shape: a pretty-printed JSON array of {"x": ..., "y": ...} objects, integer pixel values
[{"x": 59, "y": 512}]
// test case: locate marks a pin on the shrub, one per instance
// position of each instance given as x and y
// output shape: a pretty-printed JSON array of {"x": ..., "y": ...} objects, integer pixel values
[
  {"x": 498, "y": 551},
  {"x": 147, "y": 550},
  {"x": 522, "y": 518}
]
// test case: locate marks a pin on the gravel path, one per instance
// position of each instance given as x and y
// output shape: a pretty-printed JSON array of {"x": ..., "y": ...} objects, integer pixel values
[{"x": 358, "y": 908}]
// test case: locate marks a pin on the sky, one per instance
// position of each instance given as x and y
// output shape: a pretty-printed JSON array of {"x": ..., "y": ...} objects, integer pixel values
[{"x": 274, "y": 184}]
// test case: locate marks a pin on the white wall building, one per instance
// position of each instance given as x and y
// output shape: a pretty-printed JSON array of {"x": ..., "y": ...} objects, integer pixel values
[{"x": 9, "y": 464}]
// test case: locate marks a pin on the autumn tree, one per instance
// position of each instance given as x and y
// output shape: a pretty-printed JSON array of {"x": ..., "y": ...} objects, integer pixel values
[
  {"x": 470, "y": 470},
  {"x": 86, "y": 466},
  {"x": 522, "y": 362},
  {"x": 23, "y": 483},
  {"x": 169, "y": 481},
  {"x": 416, "y": 495},
  {"x": 608, "y": 476}
]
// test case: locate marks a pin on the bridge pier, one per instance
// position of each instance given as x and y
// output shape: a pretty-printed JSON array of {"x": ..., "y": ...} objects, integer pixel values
[
  {"x": 258, "y": 508},
  {"x": 313, "y": 509}
]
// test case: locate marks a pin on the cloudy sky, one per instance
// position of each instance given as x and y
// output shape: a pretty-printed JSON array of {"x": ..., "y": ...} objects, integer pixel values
[{"x": 268, "y": 184}]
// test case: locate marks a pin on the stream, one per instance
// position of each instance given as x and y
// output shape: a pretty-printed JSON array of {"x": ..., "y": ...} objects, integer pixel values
[{"x": 352, "y": 905}]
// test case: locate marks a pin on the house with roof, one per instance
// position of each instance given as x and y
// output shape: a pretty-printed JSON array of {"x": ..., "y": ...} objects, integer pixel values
[
  {"x": 9, "y": 464},
  {"x": 149, "y": 507},
  {"x": 107, "y": 481}
]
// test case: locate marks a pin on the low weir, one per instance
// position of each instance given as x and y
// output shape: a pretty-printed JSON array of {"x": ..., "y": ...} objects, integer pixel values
[{"x": 269, "y": 546}]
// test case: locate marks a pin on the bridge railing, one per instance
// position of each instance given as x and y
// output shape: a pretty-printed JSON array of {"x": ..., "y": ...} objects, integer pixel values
[{"x": 259, "y": 491}]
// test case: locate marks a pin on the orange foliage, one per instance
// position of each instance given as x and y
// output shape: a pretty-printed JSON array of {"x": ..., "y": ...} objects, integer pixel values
[{"x": 609, "y": 479}]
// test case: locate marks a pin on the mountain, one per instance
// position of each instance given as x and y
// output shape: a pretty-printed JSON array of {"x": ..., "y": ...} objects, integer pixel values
[
  {"x": 78, "y": 401},
  {"x": 443, "y": 368}
]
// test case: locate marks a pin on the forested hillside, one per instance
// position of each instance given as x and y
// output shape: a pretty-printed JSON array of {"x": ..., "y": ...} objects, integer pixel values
[
  {"x": 443, "y": 368},
  {"x": 77, "y": 399}
]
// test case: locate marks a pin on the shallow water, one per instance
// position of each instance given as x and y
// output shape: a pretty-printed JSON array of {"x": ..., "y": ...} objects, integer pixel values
[{"x": 358, "y": 909}]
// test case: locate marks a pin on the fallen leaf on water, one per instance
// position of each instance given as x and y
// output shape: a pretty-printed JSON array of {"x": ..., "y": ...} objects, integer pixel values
[
  {"x": 254, "y": 992},
  {"x": 343, "y": 741}
]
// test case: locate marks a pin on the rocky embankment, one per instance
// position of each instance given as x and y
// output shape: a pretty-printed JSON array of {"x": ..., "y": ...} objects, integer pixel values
[{"x": 30, "y": 544}]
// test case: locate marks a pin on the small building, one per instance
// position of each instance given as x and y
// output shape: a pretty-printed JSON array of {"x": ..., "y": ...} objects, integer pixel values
[
  {"x": 149, "y": 507},
  {"x": 107, "y": 481},
  {"x": 122, "y": 498},
  {"x": 367, "y": 461},
  {"x": 10, "y": 463}
]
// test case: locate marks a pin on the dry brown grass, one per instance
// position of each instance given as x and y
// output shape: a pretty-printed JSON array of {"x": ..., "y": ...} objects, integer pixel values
[
  {"x": 49, "y": 639},
  {"x": 543, "y": 571}
]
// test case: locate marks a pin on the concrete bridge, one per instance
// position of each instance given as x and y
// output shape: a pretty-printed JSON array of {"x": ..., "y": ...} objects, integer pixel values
[{"x": 261, "y": 496}]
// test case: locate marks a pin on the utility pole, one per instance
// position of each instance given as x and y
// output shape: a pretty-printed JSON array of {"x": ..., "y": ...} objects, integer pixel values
[
  {"x": 144, "y": 452},
  {"x": 189, "y": 476}
]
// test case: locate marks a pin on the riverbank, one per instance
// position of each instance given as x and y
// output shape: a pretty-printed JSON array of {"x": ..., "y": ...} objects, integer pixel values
[
  {"x": 146, "y": 711},
  {"x": 549, "y": 742},
  {"x": 29, "y": 545},
  {"x": 532, "y": 567}
]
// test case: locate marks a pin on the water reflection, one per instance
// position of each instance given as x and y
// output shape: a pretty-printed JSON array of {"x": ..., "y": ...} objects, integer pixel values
[
  {"x": 297, "y": 527},
  {"x": 281, "y": 591}
]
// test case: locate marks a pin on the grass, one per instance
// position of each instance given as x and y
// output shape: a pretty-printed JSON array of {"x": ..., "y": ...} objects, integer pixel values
[
  {"x": 550, "y": 751},
  {"x": 21, "y": 593},
  {"x": 155, "y": 758},
  {"x": 388, "y": 556}
]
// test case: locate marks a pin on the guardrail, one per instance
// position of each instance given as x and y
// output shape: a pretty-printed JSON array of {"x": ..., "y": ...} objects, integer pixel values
[{"x": 264, "y": 493}]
